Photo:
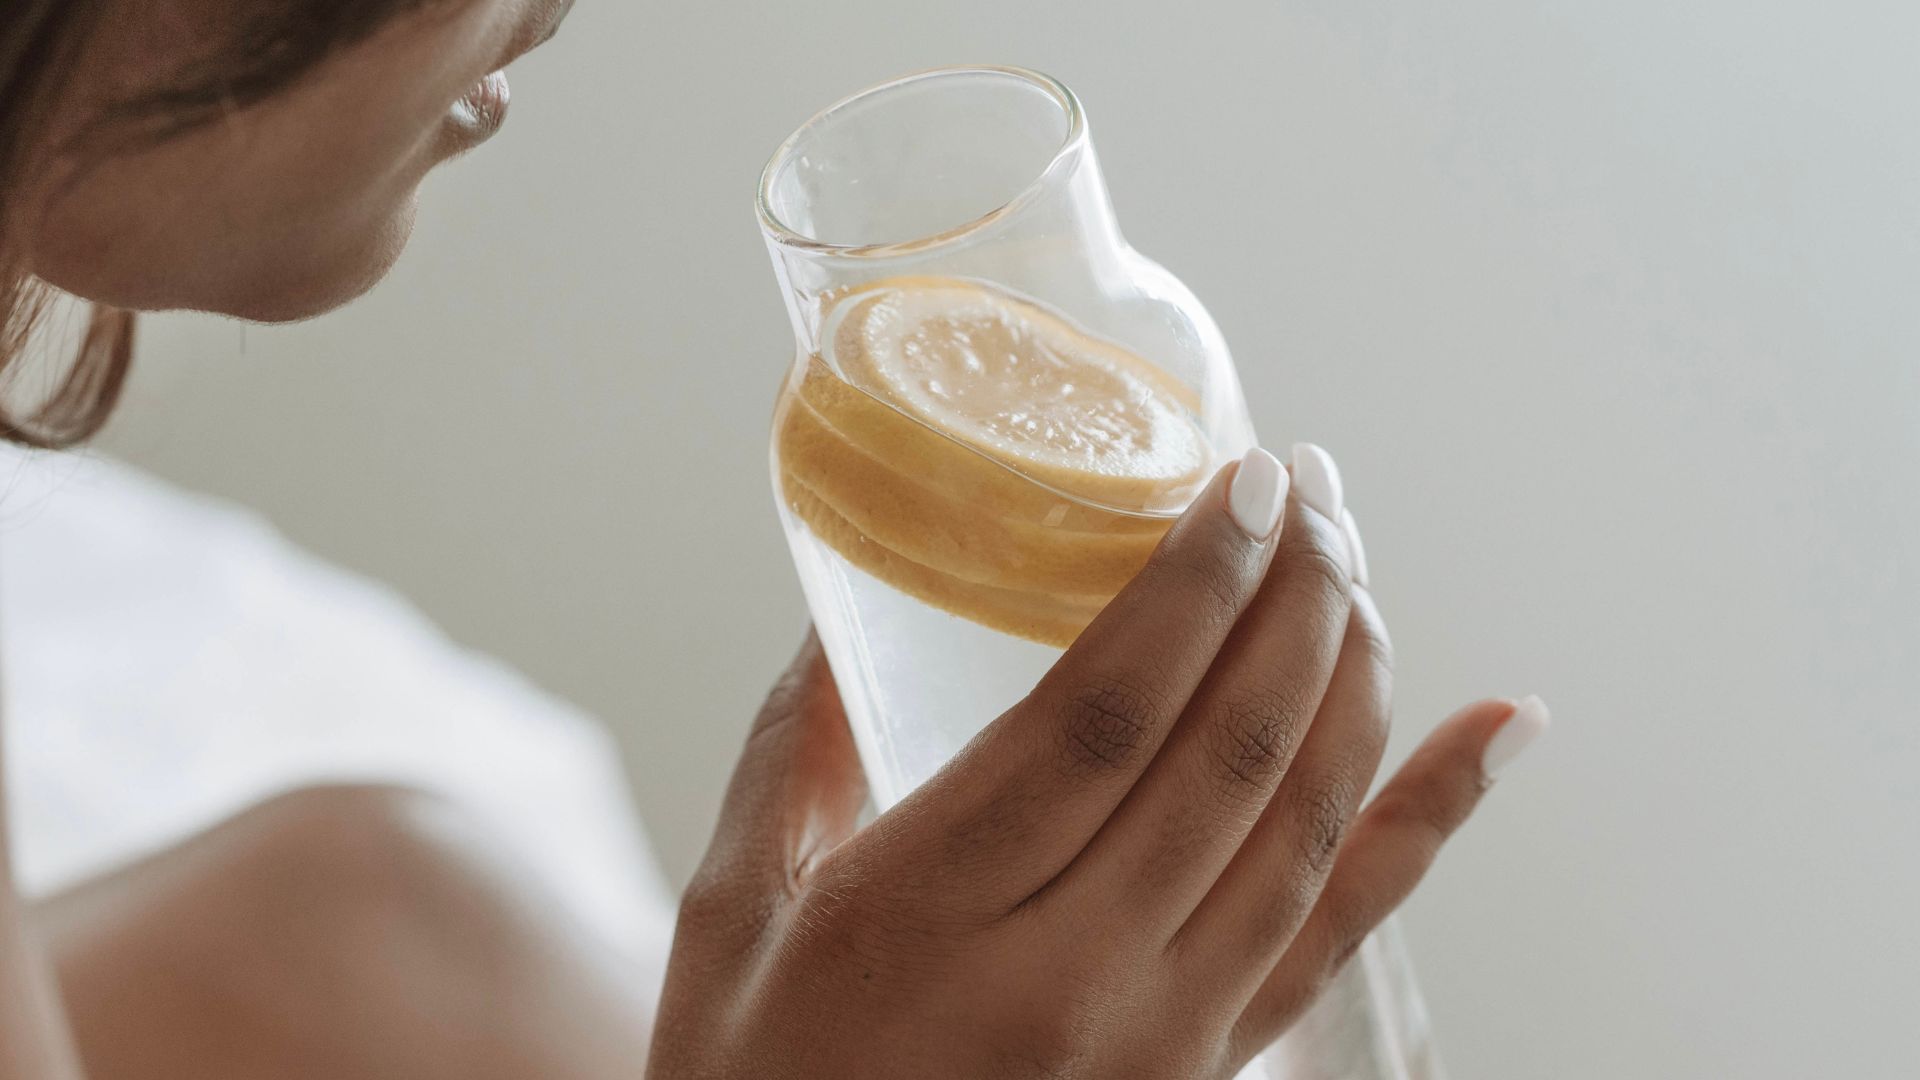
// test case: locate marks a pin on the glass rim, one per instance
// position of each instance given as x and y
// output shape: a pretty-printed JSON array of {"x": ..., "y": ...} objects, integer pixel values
[{"x": 1076, "y": 135}]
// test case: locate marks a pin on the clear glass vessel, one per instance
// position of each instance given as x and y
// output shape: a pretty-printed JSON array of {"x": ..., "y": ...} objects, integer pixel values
[{"x": 995, "y": 410}]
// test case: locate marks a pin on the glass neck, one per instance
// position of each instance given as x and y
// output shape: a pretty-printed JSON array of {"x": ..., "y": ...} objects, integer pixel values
[{"x": 965, "y": 172}]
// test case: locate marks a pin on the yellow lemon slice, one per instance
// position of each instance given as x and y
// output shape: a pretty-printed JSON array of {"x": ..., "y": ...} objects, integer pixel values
[
  {"x": 911, "y": 448},
  {"x": 1042, "y": 617},
  {"x": 984, "y": 455},
  {"x": 944, "y": 506},
  {"x": 1023, "y": 386}
]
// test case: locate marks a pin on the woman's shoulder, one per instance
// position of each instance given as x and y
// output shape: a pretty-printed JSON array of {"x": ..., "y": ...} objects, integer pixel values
[
  {"x": 197, "y": 661},
  {"x": 33, "y": 1040}
]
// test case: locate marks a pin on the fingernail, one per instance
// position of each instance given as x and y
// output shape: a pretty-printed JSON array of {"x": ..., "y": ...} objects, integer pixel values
[
  {"x": 1357, "y": 549},
  {"x": 1319, "y": 480},
  {"x": 1528, "y": 722},
  {"x": 1258, "y": 493}
]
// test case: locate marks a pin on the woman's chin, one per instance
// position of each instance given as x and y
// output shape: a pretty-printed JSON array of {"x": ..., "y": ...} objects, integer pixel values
[{"x": 293, "y": 293}]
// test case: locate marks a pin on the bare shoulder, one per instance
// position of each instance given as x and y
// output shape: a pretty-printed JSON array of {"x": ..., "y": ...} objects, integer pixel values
[{"x": 34, "y": 1041}]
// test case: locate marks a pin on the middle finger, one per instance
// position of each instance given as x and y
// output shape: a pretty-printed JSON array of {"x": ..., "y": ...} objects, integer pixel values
[
  {"x": 1251, "y": 914},
  {"x": 1179, "y": 827}
]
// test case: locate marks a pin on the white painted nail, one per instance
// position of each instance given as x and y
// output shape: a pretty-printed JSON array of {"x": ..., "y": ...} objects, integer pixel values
[
  {"x": 1522, "y": 729},
  {"x": 1258, "y": 493},
  {"x": 1318, "y": 479},
  {"x": 1355, "y": 548}
]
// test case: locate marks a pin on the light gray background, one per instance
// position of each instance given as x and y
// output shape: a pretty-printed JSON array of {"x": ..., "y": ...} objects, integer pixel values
[{"x": 1606, "y": 309}]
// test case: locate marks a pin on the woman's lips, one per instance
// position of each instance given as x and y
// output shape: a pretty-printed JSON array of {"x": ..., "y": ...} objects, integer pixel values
[{"x": 480, "y": 112}]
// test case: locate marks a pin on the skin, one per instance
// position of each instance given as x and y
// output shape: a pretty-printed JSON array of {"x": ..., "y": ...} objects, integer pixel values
[
  {"x": 281, "y": 211},
  {"x": 1147, "y": 868}
]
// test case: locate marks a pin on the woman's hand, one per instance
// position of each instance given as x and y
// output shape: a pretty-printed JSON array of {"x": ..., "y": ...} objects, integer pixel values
[{"x": 1147, "y": 868}]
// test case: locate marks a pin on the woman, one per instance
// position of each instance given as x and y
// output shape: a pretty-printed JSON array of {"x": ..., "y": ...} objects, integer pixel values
[{"x": 1147, "y": 868}]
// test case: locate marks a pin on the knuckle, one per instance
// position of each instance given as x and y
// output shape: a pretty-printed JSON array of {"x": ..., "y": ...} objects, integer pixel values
[
  {"x": 966, "y": 855},
  {"x": 1307, "y": 983},
  {"x": 1272, "y": 925},
  {"x": 840, "y": 917},
  {"x": 1311, "y": 559},
  {"x": 1319, "y": 811},
  {"x": 1106, "y": 723},
  {"x": 1062, "y": 1034},
  {"x": 885, "y": 936},
  {"x": 1350, "y": 932},
  {"x": 1253, "y": 738},
  {"x": 1048, "y": 1045}
]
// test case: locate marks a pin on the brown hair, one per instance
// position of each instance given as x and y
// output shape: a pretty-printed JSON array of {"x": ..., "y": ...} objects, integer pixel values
[{"x": 272, "y": 46}]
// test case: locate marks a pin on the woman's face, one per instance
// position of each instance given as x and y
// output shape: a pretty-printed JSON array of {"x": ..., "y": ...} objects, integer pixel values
[{"x": 286, "y": 208}]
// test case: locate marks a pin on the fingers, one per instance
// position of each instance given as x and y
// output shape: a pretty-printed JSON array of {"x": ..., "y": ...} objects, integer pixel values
[
  {"x": 1389, "y": 850},
  {"x": 1251, "y": 913},
  {"x": 795, "y": 794},
  {"x": 1179, "y": 827},
  {"x": 1027, "y": 795}
]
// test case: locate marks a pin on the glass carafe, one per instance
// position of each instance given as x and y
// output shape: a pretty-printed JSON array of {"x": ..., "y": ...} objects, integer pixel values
[{"x": 938, "y": 239}]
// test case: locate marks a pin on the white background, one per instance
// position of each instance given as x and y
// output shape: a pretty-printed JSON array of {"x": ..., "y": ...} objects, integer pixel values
[{"x": 1606, "y": 309}]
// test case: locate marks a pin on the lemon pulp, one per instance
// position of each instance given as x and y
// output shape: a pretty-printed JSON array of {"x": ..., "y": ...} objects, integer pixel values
[{"x": 985, "y": 455}]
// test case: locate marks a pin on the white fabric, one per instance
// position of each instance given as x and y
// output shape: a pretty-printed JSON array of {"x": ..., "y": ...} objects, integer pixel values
[{"x": 169, "y": 660}]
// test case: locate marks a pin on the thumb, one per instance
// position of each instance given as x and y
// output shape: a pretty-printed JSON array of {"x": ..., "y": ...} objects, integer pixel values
[{"x": 797, "y": 791}]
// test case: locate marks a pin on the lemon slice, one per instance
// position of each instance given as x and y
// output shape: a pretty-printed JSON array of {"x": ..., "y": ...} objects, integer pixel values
[
  {"x": 1047, "y": 618},
  {"x": 960, "y": 472},
  {"x": 1023, "y": 386},
  {"x": 941, "y": 516},
  {"x": 981, "y": 453}
]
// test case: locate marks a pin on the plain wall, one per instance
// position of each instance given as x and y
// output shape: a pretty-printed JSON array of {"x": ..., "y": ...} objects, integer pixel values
[{"x": 1606, "y": 309}]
